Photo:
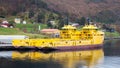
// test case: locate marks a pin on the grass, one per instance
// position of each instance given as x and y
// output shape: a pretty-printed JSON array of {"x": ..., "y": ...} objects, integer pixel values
[
  {"x": 11, "y": 31},
  {"x": 36, "y": 36},
  {"x": 18, "y": 31},
  {"x": 30, "y": 25},
  {"x": 112, "y": 34},
  {"x": 30, "y": 28}
]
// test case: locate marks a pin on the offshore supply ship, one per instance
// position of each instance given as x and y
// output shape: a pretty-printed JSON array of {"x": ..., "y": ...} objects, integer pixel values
[{"x": 89, "y": 37}]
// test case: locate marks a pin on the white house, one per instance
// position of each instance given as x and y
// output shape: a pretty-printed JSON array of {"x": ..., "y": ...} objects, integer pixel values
[{"x": 17, "y": 20}]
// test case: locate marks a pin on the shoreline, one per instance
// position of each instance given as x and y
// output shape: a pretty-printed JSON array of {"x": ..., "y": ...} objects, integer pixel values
[{"x": 111, "y": 38}]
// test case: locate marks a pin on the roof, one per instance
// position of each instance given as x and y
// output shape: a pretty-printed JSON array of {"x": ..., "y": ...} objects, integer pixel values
[
  {"x": 68, "y": 27},
  {"x": 49, "y": 31},
  {"x": 90, "y": 27}
]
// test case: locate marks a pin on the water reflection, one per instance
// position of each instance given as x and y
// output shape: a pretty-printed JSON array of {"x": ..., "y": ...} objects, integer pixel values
[{"x": 73, "y": 59}]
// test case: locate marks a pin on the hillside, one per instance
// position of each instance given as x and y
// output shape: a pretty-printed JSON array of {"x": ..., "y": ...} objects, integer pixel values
[
  {"x": 106, "y": 11},
  {"x": 12, "y": 7},
  {"x": 100, "y": 10},
  {"x": 83, "y": 7}
]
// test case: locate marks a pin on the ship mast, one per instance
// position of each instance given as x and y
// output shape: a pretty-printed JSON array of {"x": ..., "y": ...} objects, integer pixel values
[
  {"x": 88, "y": 21},
  {"x": 67, "y": 20}
]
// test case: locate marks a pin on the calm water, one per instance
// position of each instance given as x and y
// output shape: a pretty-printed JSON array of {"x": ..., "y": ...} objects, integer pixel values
[{"x": 108, "y": 57}]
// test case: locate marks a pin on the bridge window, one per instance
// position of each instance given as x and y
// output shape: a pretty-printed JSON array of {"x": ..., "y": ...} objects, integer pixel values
[
  {"x": 88, "y": 34},
  {"x": 63, "y": 32}
]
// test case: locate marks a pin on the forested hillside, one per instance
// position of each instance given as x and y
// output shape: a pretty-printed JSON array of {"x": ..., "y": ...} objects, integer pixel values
[{"x": 106, "y": 11}]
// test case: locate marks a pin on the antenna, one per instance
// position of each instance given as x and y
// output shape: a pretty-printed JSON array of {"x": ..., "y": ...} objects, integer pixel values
[{"x": 67, "y": 20}]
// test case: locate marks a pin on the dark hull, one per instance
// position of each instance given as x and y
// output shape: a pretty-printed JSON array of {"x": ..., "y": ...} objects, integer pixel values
[{"x": 86, "y": 47}]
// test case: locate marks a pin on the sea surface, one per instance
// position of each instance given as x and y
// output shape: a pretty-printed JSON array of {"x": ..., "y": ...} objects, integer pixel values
[{"x": 107, "y": 57}]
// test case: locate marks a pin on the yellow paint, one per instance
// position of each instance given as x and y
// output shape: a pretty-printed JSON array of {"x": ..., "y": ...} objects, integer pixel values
[
  {"x": 68, "y": 59},
  {"x": 69, "y": 36}
]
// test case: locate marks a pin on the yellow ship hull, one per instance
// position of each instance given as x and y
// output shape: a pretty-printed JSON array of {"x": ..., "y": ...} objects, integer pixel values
[{"x": 61, "y": 44}]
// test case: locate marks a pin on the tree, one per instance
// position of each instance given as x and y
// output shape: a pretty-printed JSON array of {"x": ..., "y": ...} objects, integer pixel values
[
  {"x": 46, "y": 17},
  {"x": 40, "y": 17},
  {"x": 49, "y": 25},
  {"x": 78, "y": 21},
  {"x": 82, "y": 21},
  {"x": 40, "y": 3},
  {"x": 61, "y": 22},
  {"x": 31, "y": 13}
]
